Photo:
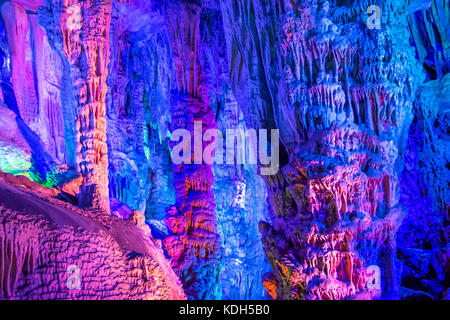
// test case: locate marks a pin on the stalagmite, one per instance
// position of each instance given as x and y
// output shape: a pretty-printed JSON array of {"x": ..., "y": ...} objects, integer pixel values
[{"x": 96, "y": 95}]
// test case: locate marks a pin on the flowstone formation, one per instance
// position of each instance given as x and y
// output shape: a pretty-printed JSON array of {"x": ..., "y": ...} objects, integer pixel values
[
  {"x": 137, "y": 113},
  {"x": 30, "y": 85},
  {"x": 239, "y": 209}
]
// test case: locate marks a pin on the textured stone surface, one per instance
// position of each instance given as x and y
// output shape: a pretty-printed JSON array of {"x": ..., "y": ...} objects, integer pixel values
[
  {"x": 424, "y": 181},
  {"x": 344, "y": 94},
  {"x": 85, "y": 31},
  {"x": 31, "y": 81}
]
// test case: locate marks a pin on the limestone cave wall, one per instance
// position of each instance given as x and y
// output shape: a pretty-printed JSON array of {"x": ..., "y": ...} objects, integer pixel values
[{"x": 354, "y": 98}]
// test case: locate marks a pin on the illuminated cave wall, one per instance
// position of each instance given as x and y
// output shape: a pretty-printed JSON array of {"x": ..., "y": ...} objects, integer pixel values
[{"x": 92, "y": 90}]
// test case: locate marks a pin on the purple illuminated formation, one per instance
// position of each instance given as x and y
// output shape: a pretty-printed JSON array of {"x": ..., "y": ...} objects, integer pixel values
[{"x": 224, "y": 149}]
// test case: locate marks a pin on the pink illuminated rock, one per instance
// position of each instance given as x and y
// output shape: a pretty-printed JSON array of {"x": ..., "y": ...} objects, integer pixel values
[
  {"x": 72, "y": 187},
  {"x": 139, "y": 219},
  {"x": 18, "y": 29},
  {"x": 27, "y": 183}
]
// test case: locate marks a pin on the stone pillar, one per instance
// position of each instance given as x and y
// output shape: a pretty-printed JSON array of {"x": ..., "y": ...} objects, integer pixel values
[{"x": 85, "y": 26}]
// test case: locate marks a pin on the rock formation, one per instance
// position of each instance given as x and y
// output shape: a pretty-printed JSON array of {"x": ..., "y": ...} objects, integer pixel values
[
  {"x": 194, "y": 243},
  {"x": 345, "y": 94},
  {"x": 84, "y": 30},
  {"x": 96, "y": 94},
  {"x": 52, "y": 250}
]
